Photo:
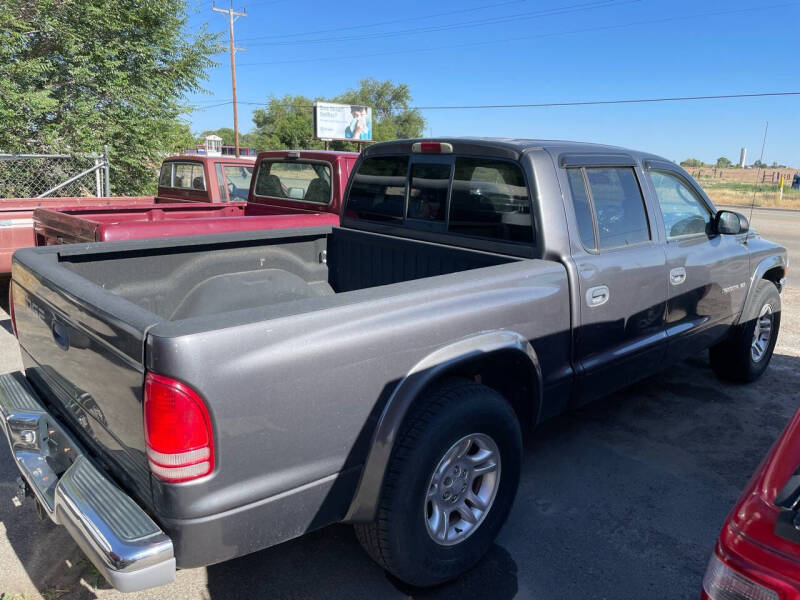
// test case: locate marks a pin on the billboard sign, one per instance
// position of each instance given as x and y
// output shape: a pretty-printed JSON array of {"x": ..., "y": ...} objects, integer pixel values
[{"x": 350, "y": 122}]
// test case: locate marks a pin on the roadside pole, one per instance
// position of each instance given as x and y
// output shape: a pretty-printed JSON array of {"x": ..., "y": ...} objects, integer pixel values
[{"x": 231, "y": 14}]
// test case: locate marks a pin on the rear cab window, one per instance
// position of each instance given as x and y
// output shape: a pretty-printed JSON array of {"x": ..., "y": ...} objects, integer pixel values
[
  {"x": 188, "y": 176},
  {"x": 468, "y": 197},
  {"x": 609, "y": 207},
  {"x": 301, "y": 181}
]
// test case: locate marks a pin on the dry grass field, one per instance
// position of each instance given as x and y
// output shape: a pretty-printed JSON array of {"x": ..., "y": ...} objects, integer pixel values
[{"x": 742, "y": 186}]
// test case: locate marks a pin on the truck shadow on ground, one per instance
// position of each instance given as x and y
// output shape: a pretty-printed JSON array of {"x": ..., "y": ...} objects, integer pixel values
[{"x": 623, "y": 498}]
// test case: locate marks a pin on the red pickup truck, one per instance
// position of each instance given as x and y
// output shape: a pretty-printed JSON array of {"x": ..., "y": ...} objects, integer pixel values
[
  {"x": 288, "y": 189},
  {"x": 197, "y": 178}
]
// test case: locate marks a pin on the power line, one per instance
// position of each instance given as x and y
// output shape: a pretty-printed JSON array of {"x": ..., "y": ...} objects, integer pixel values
[
  {"x": 381, "y": 23},
  {"x": 453, "y": 26},
  {"x": 523, "y": 38},
  {"x": 559, "y": 104}
]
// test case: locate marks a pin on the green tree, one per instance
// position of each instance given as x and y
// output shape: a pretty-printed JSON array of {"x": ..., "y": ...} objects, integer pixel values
[
  {"x": 78, "y": 74},
  {"x": 692, "y": 162},
  {"x": 723, "y": 163},
  {"x": 287, "y": 122}
]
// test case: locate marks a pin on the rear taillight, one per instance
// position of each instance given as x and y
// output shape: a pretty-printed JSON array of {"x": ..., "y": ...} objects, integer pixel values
[
  {"x": 723, "y": 583},
  {"x": 177, "y": 430},
  {"x": 11, "y": 306}
]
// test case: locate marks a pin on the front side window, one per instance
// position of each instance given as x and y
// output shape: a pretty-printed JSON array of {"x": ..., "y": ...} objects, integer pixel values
[
  {"x": 237, "y": 181},
  {"x": 189, "y": 176},
  {"x": 427, "y": 199},
  {"x": 302, "y": 181},
  {"x": 165, "y": 177},
  {"x": 684, "y": 212},
  {"x": 618, "y": 205},
  {"x": 378, "y": 190},
  {"x": 490, "y": 200}
]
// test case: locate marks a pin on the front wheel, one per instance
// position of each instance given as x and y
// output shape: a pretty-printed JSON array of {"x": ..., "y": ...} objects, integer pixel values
[
  {"x": 449, "y": 486},
  {"x": 744, "y": 356}
]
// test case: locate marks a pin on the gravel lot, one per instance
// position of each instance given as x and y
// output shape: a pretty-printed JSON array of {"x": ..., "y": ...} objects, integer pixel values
[{"x": 621, "y": 499}]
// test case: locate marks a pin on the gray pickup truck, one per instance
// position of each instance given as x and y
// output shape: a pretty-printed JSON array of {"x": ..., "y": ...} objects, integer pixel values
[{"x": 186, "y": 401}]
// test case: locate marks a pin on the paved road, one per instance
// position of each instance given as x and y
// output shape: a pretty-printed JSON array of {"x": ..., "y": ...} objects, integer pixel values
[{"x": 621, "y": 499}]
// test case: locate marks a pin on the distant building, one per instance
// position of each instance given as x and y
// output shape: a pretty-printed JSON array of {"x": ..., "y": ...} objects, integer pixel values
[{"x": 743, "y": 157}]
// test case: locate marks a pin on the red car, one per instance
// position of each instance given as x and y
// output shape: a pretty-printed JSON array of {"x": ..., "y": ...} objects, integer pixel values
[{"x": 758, "y": 552}]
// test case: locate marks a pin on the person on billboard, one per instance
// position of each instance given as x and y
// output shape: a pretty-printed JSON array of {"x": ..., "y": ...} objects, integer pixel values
[{"x": 359, "y": 127}]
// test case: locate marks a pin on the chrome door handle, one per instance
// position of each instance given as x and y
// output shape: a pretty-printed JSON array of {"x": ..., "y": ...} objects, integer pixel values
[
  {"x": 597, "y": 296},
  {"x": 677, "y": 276}
]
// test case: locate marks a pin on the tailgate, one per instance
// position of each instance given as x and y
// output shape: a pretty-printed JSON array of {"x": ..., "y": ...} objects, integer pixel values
[{"x": 82, "y": 348}]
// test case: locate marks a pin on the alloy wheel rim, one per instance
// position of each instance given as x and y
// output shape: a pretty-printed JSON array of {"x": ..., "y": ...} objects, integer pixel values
[
  {"x": 462, "y": 489},
  {"x": 762, "y": 334}
]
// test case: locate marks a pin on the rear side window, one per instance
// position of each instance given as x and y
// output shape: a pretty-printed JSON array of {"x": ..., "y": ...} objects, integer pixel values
[
  {"x": 189, "y": 176},
  {"x": 618, "y": 207},
  {"x": 165, "y": 177},
  {"x": 378, "y": 190},
  {"x": 302, "y": 181},
  {"x": 612, "y": 205},
  {"x": 490, "y": 200},
  {"x": 583, "y": 209}
]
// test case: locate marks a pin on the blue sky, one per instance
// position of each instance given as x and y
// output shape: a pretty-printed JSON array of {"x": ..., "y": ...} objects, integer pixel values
[{"x": 466, "y": 52}]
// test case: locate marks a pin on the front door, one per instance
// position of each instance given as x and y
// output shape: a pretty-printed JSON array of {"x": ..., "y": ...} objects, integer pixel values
[
  {"x": 622, "y": 277},
  {"x": 708, "y": 272}
]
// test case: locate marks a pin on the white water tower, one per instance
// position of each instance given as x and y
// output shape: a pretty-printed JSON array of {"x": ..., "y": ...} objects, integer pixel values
[
  {"x": 213, "y": 145},
  {"x": 742, "y": 157}
]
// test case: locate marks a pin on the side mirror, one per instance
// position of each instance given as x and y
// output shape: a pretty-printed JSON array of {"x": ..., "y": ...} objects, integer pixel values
[{"x": 731, "y": 223}]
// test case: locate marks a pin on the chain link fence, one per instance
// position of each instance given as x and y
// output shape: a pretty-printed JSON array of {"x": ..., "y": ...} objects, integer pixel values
[{"x": 53, "y": 175}]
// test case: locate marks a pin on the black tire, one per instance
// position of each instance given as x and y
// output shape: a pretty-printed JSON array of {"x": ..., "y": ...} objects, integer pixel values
[
  {"x": 398, "y": 539},
  {"x": 732, "y": 359}
]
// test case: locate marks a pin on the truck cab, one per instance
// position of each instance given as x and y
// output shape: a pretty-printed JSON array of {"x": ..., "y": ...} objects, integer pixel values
[{"x": 198, "y": 178}]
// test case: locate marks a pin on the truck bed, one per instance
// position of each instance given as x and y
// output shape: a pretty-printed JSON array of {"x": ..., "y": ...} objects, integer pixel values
[{"x": 194, "y": 282}]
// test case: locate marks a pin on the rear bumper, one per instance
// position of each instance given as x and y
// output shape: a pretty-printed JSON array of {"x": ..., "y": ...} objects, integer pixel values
[{"x": 125, "y": 545}]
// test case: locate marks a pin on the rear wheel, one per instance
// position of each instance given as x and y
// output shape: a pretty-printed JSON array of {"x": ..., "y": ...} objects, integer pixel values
[
  {"x": 744, "y": 356},
  {"x": 449, "y": 486}
]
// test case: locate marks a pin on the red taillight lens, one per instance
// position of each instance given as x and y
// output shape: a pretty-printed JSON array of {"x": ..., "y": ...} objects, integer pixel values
[
  {"x": 11, "y": 306},
  {"x": 177, "y": 430}
]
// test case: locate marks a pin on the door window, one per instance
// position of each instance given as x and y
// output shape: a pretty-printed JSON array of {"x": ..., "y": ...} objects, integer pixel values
[
  {"x": 618, "y": 205},
  {"x": 684, "y": 212},
  {"x": 583, "y": 209}
]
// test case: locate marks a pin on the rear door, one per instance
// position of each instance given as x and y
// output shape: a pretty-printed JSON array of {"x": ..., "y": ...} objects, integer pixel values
[
  {"x": 621, "y": 267},
  {"x": 708, "y": 272}
]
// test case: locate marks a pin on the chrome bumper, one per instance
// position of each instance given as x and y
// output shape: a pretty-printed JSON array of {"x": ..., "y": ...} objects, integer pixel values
[{"x": 125, "y": 545}]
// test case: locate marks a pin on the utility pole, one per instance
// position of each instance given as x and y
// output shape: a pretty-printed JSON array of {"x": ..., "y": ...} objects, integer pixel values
[{"x": 232, "y": 16}]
